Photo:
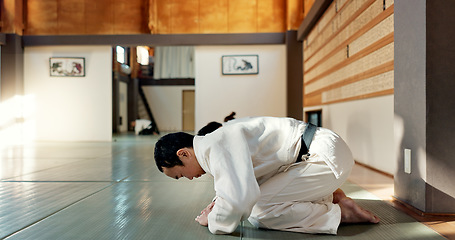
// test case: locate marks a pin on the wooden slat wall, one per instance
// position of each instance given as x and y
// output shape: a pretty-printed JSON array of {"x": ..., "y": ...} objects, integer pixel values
[
  {"x": 79, "y": 17},
  {"x": 348, "y": 55}
]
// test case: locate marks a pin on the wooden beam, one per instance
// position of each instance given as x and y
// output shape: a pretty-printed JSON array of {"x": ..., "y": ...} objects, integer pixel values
[
  {"x": 157, "y": 40},
  {"x": 294, "y": 76},
  {"x": 147, "y": 81}
]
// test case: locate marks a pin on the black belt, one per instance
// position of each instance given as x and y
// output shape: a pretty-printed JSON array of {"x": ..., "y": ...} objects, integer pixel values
[{"x": 307, "y": 137}]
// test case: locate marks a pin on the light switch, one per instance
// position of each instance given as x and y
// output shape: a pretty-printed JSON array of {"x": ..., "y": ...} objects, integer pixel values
[{"x": 407, "y": 161}]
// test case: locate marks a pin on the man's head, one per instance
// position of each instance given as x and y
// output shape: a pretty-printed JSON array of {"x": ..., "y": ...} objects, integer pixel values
[
  {"x": 167, "y": 147},
  {"x": 174, "y": 156}
]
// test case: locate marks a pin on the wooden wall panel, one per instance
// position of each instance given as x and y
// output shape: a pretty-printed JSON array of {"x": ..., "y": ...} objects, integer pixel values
[
  {"x": 163, "y": 16},
  {"x": 11, "y": 17},
  {"x": 311, "y": 100},
  {"x": 71, "y": 17},
  {"x": 338, "y": 29},
  {"x": 18, "y": 22},
  {"x": 388, "y": 3},
  {"x": 372, "y": 15},
  {"x": 294, "y": 14},
  {"x": 130, "y": 16},
  {"x": 213, "y": 16},
  {"x": 379, "y": 57},
  {"x": 79, "y": 17},
  {"x": 99, "y": 17},
  {"x": 42, "y": 17},
  {"x": 271, "y": 15},
  {"x": 242, "y": 16},
  {"x": 378, "y": 83},
  {"x": 383, "y": 29},
  {"x": 349, "y": 53},
  {"x": 322, "y": 24},
  {"x": 314, "y": 71},
  {"x": 354, "y": 29},
  {"x": 185, "y": 16}
]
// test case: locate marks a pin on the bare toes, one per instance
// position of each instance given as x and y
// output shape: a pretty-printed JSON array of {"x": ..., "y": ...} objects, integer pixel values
[{"x": 353, "y": 213}]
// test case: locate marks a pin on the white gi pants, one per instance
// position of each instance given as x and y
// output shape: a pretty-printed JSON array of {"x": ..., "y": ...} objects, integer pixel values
[{"x": 299, "y": 199}]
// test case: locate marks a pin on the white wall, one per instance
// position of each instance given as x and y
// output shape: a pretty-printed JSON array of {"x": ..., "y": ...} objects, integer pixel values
[
  {"x": 166, "y": 105},
  {"x": 367, "y": 127},
  {"x": 70, "y": 108},
  {"x": 218, "y": 95}
]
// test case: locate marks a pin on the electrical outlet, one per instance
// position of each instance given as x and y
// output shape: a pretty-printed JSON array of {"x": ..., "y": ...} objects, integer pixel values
[{"x": 407, "y": 161}]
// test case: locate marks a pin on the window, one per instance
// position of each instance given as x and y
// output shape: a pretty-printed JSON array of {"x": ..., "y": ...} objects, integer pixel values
[
  {"x": 121, "y": 55},
  {"x": 142, "y": 55}
]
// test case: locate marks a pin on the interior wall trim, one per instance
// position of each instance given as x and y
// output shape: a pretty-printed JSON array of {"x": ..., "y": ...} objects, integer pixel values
[
  {"x": 166, "y": 82},
  {"x": 157, "y": 39}
]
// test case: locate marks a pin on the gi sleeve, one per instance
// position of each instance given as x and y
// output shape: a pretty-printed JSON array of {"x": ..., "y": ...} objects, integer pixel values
[{"x": 235, "y": 184}]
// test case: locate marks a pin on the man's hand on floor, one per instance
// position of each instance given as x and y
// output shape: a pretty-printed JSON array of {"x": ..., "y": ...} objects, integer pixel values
[{"x": 203, "y": 218}]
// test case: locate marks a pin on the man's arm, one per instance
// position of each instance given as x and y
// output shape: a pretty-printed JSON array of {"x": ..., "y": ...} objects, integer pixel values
[{"x": 235, "y": 183}]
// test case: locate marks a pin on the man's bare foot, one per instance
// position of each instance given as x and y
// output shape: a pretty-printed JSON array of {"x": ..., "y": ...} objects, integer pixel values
[
  {"x": 338, "y": 195},
  {"x": 353, "y": 213}
]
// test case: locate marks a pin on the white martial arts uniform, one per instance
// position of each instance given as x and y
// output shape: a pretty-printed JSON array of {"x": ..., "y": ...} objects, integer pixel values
[{"x": 253, "y": 164}]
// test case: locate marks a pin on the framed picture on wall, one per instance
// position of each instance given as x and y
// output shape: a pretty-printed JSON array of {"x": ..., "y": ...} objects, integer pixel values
[
  {"x": 240, "y": 64},
  {"x": 67, "y": 66}
]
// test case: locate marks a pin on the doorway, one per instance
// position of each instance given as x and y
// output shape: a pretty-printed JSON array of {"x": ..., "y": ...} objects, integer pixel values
[{"x": 188, "y": 109}]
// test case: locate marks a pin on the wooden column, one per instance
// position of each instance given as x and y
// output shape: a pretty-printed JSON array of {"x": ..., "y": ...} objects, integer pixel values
[
  {"x": 294, "y": 56},
  {"x": 12, "y": 64}
]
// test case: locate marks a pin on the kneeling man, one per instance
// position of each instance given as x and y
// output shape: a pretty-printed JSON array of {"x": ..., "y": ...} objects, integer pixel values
[{"x": 261, "y": 175}]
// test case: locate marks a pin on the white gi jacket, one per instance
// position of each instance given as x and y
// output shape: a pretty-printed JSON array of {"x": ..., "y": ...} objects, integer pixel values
[{"x": 242, "y": 155}]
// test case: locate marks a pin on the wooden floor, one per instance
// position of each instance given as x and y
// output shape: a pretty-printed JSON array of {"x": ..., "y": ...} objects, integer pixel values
[{"x": 381, "y": 185}]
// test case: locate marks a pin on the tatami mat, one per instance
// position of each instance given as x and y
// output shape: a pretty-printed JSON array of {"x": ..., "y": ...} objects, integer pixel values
[
  {"x": 114, "y": 191},
  {"x": 394, "y": 224},
  {"x": 23, "y": 204},
  {"x": 130, "y": 210}
]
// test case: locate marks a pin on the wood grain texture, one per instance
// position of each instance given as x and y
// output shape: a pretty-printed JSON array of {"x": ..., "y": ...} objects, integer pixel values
[
  {"x": 71, "y": 17},
  {"x": 242, "y": 16},
  {"x": 11, "y": 17},
  {"x": 294, "y": 14},
  {"x": 79, "y": 17},
  {"x": 99, "y": 17},
  {"x": 213, "y": 16},
  {"x": 271, "y": 15},
  {"x": 42, "y": 17},
  {"x": 130, "y": 16},
  {"x": 185, "y": 16}
]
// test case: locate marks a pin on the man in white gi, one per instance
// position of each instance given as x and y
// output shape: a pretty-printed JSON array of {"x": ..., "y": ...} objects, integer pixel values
[{"x": 253, "y": 162}]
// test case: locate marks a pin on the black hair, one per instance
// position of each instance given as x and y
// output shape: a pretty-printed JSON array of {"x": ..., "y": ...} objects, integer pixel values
[
  {"x": 229, "y": 117},
  {"x": 166, "y": 149},
  {"x": 210, "y": 127}
]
